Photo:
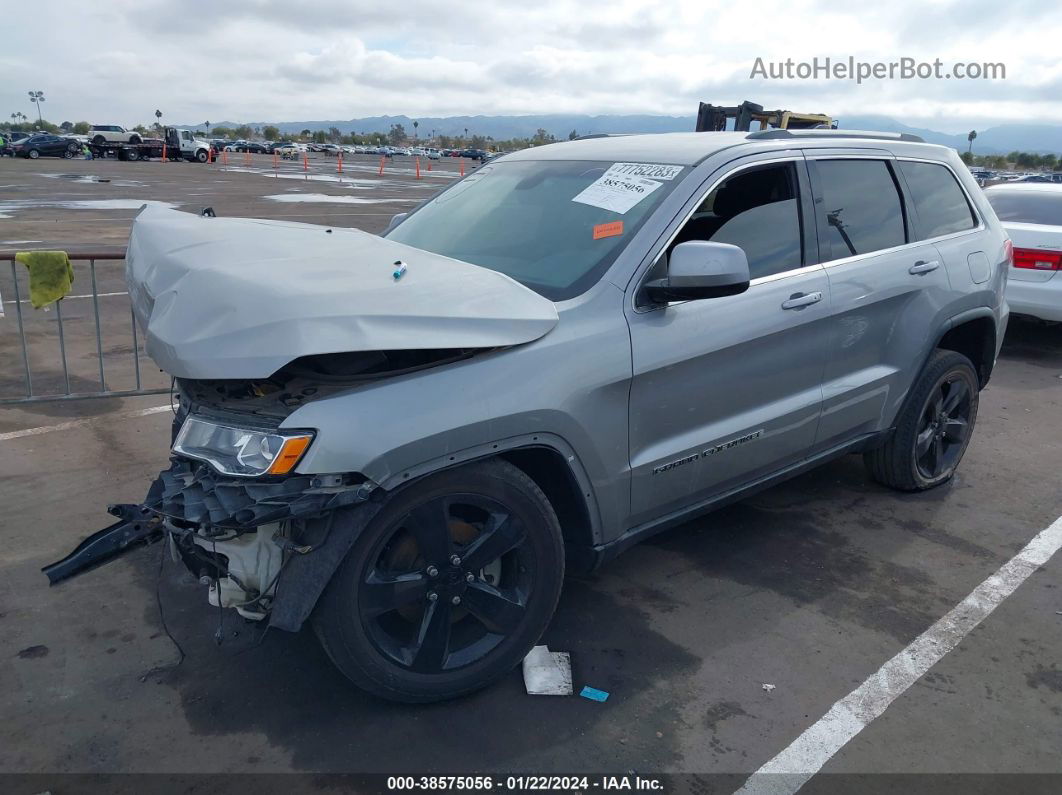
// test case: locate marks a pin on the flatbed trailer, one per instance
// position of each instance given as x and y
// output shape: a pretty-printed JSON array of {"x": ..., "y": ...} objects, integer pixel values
[{"x": 144, "y": 150}]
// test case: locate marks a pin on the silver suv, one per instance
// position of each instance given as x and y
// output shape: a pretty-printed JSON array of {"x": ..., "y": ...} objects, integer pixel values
[{"x": 408, "y": 438}]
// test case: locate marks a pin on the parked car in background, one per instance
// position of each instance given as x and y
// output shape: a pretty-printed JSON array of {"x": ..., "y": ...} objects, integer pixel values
[
  {"x": 1032, "y": 215},
  {"x": 433, "y": 154},
  {"x": 475, "y": 154},
  {"x": 45, "y": 145},
  {"x": 112, "y": 133},
  {"x": 10, "y": 139}
]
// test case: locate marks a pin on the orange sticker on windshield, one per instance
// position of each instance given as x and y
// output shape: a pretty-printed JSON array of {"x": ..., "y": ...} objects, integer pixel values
[{"x": 611, "y": 229}]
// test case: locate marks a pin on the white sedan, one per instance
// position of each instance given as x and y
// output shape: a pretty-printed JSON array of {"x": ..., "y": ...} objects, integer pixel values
[{"x": 1031, "y": 212}]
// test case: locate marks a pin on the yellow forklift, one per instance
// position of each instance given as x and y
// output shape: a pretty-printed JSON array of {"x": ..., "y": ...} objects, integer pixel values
[{"x": 715, "y": 118}]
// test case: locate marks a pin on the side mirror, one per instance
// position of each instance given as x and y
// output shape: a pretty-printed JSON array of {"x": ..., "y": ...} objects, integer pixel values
[
  {"x": 395, "y": 221},
  {"x": 701, "y": 269}
]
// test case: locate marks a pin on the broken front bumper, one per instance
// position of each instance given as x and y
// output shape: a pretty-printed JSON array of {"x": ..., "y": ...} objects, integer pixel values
[{"x": 240, "y": 535}]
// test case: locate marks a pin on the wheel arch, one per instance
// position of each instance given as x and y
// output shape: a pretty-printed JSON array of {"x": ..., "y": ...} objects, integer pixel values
[
  {"x": 974, "y": 335},
  {"x": 555, "y": 467}
]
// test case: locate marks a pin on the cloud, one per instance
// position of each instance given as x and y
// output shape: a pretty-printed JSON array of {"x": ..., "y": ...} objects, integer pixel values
[{"x": 330, "y": 59}]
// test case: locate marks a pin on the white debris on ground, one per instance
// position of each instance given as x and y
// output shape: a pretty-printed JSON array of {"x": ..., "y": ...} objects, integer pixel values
[
  {"x": 547, "y": 673},
  {"x": 767, "y": 688}
]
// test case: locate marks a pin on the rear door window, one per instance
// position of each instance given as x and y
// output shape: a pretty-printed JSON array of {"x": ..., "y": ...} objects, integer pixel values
[
  {"x": 938, "y": 200},
  {"x": 863, "y": 209}
]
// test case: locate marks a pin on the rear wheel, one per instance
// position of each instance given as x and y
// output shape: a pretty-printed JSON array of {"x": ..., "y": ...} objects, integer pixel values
[
  {"x": 132, "y": 154},
  {"x": 448, "y": 587},
  {"x": 135, "y": 139},
  {"x": 33, "y": 154},
  {"x": 98, "y": 140},
  {"x": 68, "y": 154},
  {"x": 934, "y": 428}
]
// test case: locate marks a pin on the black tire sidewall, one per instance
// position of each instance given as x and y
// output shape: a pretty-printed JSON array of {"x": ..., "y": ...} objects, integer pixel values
[
  {"x": 945, "y": 365},
  {"x": 345, "y": 637}
]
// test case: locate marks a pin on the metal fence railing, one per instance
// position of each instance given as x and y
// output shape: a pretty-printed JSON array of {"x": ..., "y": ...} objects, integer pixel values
[{"x": 88, "y": 370}]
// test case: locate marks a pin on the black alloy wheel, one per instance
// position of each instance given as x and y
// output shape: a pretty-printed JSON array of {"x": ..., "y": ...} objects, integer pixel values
[
  {"x": 944, "y": 429},
  {"x": 446, "y": 588}
]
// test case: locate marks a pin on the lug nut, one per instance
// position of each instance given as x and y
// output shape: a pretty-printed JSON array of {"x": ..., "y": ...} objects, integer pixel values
[
  {"x": 455, "y": 560},
  {"x": 205, "y": 580},
  {"x": 456, "y": 600},
  {"x": 432, "y": 571},
  {"x": 470, "y": 577},
  {"x": 432, "y": 596}
]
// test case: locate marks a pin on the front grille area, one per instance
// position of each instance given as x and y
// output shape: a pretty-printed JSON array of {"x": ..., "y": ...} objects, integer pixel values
[{"x": 192, "y": 491}]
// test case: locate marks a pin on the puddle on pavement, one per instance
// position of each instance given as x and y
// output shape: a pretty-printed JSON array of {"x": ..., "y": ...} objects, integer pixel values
[
  {"x": 92, "y": 179},
  {"x": 337, "y": 178},
  {"x": 324, "y": 198},
  {"x": 81, "y": 204}
]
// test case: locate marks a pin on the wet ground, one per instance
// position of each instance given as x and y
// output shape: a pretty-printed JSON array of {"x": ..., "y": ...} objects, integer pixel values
[{"x": 809, "y": 587}]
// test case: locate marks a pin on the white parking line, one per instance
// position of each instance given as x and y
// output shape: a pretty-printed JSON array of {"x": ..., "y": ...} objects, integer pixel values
[
  {"x": 63, "y": 426},
  {"x": 792, "y": 768}
]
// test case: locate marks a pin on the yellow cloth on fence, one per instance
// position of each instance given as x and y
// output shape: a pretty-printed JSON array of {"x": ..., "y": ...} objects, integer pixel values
[{"x": 51, "y": 275}]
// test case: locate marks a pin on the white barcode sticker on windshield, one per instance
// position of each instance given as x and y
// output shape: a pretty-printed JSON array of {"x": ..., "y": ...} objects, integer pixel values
[
  {"x": 616, "y": 193},
  {"x": 645, "y": 170}
]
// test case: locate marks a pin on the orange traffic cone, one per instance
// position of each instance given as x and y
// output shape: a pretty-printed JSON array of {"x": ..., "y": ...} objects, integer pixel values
[
  {"x": 462, "y": 166},
  {"x": 416, "y": 160},
  {"x": 383, "y": 159},
  {"x": 339, "y": 165}
]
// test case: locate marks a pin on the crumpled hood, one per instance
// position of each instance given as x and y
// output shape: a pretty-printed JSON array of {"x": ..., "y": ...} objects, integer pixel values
[{"x": 240, "y": 298}]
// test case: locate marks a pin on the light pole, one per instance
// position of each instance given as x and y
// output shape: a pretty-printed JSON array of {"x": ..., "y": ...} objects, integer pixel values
[{"x": 37, "y": 97}]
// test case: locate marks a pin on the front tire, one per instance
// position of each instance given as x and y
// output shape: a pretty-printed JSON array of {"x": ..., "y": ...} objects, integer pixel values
[
  {"x": 448, "y": 587},
  {"x": 135, "y": 139},
  {"x": 99, "y": 140},
  {"x": 933, "y": 429}
]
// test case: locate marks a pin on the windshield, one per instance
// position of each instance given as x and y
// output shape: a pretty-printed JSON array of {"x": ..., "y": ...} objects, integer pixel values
[
  {"x": 554, "y": 226},
  {"x": 1029, "y": 207}
]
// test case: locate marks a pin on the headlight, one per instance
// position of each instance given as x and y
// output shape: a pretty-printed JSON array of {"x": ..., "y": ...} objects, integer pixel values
[{"x": 241, "y": 451}]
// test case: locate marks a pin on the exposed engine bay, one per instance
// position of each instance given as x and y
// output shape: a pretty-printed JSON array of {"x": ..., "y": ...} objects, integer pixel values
[{"x": 311, "y": 377}]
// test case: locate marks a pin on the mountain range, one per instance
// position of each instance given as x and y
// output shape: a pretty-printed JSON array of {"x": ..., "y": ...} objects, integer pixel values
[{"x": 1000, "y": 139}]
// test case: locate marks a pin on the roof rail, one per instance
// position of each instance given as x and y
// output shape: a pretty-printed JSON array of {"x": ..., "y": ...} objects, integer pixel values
[
  {"x": 588, "y": 136},
  {"x": 777, "y": 135}
]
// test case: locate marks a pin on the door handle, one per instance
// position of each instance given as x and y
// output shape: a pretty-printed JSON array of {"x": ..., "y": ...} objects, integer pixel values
[
  {"x": 800, "y": 300},
  {"x": 924, "y": 267}
]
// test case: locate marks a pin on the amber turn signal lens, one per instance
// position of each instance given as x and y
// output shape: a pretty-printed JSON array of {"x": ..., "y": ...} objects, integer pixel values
[{"x": 289, "y": 455}]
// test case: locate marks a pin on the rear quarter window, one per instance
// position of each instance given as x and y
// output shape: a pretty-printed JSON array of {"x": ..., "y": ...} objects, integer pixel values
[{"x": 939, "y": 202}]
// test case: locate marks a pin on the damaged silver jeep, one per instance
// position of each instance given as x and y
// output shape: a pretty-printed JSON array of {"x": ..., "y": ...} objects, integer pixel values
[{"x": 405, "y": 439}]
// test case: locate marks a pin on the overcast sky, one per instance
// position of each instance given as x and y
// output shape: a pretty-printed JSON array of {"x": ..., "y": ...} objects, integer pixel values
[{"x": 116, "y": 61}]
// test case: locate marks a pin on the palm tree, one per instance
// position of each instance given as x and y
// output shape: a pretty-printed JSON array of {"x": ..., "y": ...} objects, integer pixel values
[{"x": 416, "y": 124}]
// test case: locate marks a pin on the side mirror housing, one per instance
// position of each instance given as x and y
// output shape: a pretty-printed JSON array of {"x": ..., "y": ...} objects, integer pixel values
[
  {"x": 395, "y": 221},
  {"x": 701, "y": 269}
]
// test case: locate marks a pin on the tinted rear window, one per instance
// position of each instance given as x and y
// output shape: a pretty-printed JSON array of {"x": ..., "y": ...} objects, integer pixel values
[
  {"x": 862, "y": 204},
  {"x": 1027, "y": 207},
  {"x": 939, "y": 201}
]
